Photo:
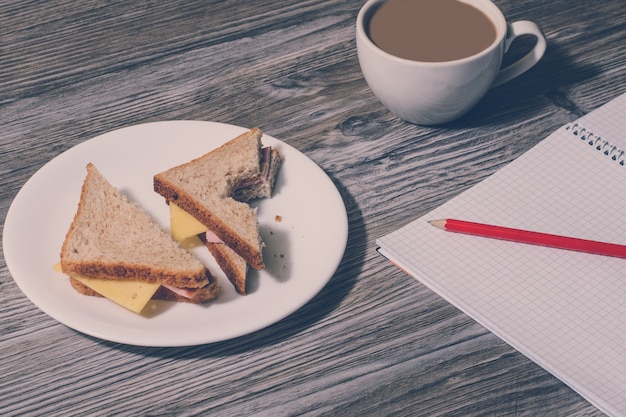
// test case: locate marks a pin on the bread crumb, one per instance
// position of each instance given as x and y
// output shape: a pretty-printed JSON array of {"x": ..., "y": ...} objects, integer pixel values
[{"x": 278, "y": 218}]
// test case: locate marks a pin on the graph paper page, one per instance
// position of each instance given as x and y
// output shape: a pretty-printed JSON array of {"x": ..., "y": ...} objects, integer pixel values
[{"x": 564, "y": 310}]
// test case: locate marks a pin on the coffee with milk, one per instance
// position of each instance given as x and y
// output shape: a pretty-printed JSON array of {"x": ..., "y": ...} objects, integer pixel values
[{"x": 431, "y": 30}]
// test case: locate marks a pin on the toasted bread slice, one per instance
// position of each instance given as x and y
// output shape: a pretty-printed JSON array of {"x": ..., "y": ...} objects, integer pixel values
[
  {"x": 201, "y": 295},
  {"x": 111, "y": 238},
  {"x": 204, "y": 188},
  {"x": 234, "y": 266}
]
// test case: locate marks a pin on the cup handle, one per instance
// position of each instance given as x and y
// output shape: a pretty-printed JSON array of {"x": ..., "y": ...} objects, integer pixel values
[{"x": 514, "y": 30}]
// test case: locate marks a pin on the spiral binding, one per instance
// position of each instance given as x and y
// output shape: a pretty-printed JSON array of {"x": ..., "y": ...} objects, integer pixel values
[{"x": 599, "y": 143}]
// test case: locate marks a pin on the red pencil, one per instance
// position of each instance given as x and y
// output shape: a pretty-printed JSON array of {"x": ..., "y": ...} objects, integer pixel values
[{"x": 533, "y": 238}]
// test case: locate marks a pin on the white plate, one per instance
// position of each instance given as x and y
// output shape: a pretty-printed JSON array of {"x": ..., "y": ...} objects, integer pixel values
[{"x": 304, "y": 225}]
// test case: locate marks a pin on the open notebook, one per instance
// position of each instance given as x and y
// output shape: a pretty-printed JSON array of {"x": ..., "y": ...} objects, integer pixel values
[{"x": 564, "y": 310}]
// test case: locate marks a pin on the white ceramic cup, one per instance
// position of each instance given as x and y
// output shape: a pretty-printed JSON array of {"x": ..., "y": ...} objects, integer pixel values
[{"x": 432, "y": 93}]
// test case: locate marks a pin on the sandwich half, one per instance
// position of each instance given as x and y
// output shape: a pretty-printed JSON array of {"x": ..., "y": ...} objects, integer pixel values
[
  {"x": 112, "y": 244},
  {"x": 213, "y": 192}
]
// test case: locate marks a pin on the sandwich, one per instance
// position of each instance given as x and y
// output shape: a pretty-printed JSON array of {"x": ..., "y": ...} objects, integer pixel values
[
  {"x": 113, "y": 248},
  {"x": 208, "y": 197}
]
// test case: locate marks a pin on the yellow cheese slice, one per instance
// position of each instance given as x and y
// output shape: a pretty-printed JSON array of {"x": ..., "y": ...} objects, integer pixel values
[
  {"x": 183, "y": 224},
  {"x": 134, "y": 295}
]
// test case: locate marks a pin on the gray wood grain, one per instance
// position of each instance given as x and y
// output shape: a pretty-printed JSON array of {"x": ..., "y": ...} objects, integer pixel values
[{"x": 374, "y": 341}]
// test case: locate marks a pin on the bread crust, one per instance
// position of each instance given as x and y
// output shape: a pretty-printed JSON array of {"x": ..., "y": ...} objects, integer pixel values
[
  {"x": 122, "y": 272},
  {"x": 234, "y": 269}
]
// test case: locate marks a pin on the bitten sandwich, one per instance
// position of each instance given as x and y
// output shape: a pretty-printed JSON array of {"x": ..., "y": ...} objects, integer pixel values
[
  {"x": 113, "y": 248},
  {"x": 209, "y": 197}
]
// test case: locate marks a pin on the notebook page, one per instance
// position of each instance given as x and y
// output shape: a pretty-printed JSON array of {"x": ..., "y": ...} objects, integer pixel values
[
  {"x": 608, "y": 121},
  {"x": 564, "y": 310}
]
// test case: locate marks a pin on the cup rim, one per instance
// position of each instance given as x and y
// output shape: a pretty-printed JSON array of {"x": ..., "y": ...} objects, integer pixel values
[{"x": 501, "y": 29}]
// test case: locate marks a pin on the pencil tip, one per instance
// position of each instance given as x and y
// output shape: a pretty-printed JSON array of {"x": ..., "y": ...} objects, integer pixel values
[{"x": 440, "y": 224}]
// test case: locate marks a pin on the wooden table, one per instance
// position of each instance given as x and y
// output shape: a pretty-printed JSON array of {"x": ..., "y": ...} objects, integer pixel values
[{"x": 374, "y": 341}]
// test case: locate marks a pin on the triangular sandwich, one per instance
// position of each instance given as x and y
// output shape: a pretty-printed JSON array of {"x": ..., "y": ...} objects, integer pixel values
[
  {"x": 112, "y": 241},
  {"x": 213, "y": 191}
]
